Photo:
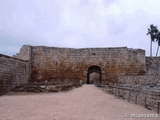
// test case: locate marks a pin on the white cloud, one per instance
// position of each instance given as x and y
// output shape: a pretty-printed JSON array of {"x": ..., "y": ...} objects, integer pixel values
[{"x": 79, "y": 23}]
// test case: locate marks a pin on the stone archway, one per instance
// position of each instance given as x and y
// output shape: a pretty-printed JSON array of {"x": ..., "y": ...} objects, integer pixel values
[{"x": 91, "y": 70}]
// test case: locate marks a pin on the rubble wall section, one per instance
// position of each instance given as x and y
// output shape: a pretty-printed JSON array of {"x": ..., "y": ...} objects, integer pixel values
[
  {"x": 13, "y": 71},
  {"x": 152, "y": 75}
]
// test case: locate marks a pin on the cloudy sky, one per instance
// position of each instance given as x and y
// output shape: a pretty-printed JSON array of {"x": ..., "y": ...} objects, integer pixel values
[{"x": 77, "y": 23}]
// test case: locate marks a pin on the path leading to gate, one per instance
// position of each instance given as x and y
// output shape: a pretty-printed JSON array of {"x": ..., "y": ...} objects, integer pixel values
[{"x": 84, "y": 103}]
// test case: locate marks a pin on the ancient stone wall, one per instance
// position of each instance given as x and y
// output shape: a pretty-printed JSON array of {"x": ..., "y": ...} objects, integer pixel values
[
  {"x": 139, "y": 80},
  {"x": 13, "y": 71},
  {"x": 136, "y": 95},
  {"x": 68, "y": 65},
  {"x": 139, "y": 88},
  {"x": 24, "y": 53},
  {"x": 152, "y": 76},
  {"x": 153, "y": 66}
]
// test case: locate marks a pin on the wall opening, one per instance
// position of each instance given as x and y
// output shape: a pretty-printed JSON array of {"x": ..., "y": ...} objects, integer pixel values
[{"x": 94, "y": 75}]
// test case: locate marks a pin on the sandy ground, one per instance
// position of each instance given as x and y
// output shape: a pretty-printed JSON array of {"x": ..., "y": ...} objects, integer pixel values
[{"x": 84, "y": 103}]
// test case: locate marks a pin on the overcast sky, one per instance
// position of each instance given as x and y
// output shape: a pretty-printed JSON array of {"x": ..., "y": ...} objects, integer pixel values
[{"x": 77, "y": 23}]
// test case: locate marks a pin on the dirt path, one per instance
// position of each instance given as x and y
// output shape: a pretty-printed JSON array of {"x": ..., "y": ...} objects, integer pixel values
[{"x": 84, "y": 103}]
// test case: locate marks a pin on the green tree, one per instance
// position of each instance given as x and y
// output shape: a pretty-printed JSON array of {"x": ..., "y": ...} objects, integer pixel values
[{"x": 152, "y": 31}]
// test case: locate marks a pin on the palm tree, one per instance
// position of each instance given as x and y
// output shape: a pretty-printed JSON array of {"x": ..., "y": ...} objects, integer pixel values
[
  {"x": 158, "y": 40},
  {"x": 152, "y": 31}
]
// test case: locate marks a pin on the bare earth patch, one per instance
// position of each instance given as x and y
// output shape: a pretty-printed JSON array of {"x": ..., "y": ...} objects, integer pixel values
[{"x": 84, "y": 103}]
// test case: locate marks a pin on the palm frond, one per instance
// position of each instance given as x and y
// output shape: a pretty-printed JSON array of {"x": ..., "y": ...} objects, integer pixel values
[
  {"x": 151, "y": 26},
  {"x": 149, "y": 29},
  {"x": 149, "y": 32}
]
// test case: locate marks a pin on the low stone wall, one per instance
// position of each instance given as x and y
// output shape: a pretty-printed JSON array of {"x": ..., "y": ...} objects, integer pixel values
[
  {"x": 45, "y": 87},
  {"x": 137, "y": 96},
  {"x": 13, "y": 71}
]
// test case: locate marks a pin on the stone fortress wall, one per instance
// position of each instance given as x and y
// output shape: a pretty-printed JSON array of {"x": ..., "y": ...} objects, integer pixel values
[
  {"x": 152, "y": 76},
  {"x": 13, "y": 71},
  {"x": 65, "y": 65}
]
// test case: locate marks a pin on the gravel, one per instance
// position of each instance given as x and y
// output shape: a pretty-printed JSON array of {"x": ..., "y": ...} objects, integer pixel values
[{"x": 85, "y": 103}]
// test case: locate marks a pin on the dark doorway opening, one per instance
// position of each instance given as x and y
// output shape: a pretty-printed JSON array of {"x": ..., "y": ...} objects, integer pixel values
[{"x": 94, "y": 75}]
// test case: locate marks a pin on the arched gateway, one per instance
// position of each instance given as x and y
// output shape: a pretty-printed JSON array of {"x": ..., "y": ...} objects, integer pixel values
[{"x": 91, "y": 70}]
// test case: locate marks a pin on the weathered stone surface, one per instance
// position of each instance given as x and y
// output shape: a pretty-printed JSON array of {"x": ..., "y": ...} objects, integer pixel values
[
  {"x": 151, "y": 78},
  {"x": 13, "y": 71},
  {"x": 24, "y": 53},
  {"x": 152, "y": 95},
  {"x": 66, "y": 65},
  {"x": 141, "y": 80}
]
